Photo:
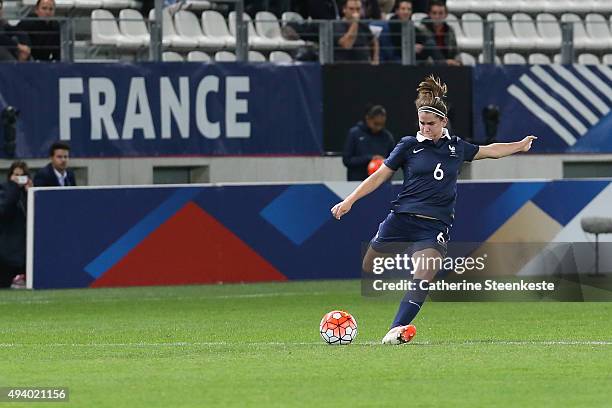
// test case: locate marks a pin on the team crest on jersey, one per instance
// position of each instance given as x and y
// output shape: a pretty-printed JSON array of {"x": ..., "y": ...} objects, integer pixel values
[{"x": 452, "y": 151}]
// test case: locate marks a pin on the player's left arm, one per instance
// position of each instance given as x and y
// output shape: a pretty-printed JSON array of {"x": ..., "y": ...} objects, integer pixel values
[{"x": 499, "y": 150}]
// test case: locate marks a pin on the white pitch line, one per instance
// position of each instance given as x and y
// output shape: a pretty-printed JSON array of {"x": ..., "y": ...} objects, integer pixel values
[
  {"x": 157, "y": 298},
  {"x": 318, "y": 343}
]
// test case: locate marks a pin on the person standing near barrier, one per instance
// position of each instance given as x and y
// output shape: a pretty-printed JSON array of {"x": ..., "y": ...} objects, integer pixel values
[
  {"x": 43, "y": 33},
  {"x": 423, "y": 213},
  {"x": 353, "y": 40},
  {"x": 367, "y": 140},
  {"x": 13, "y": 210},
  {"x": 56, "y": 173}
]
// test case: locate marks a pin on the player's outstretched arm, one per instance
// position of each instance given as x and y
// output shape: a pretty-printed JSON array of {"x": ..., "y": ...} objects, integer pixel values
[
  {"x": 368, "y": 185},
  {"x": 499, "y": 150}
]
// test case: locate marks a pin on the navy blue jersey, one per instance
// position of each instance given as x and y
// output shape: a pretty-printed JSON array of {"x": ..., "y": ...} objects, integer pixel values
[{"x": 430, "y": 174}]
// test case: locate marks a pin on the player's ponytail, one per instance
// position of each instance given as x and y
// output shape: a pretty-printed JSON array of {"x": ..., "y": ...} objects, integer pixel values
[{"x": 432, "y": 92}]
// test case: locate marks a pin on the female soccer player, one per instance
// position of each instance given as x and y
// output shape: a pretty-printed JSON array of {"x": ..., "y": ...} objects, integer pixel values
[{"x": 424, "y": 210}]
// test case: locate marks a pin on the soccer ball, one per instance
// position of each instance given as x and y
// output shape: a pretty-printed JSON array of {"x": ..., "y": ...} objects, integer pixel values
[{"x": 338, "y": 327}]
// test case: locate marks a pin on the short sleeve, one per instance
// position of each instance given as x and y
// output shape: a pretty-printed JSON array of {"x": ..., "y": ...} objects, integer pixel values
[
  {"x": 469, "y": 150},
  {"x": 398, "y": 156}
]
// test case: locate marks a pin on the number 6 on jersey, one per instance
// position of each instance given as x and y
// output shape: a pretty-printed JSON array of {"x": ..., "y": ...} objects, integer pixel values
[{"x": 438, "y": 172}]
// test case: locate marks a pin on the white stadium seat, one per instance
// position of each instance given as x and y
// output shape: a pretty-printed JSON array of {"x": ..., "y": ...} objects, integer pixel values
[
  {"x": 214, "y": 26},
  {"x": 169, "y": 36},
  {"x": 197, "y": 5},
  {"x": 472, "y": 30},
  {"x": 506, "y": 6},
  {"x": 458, "y": 6},
  {"x": 417, "y": 18},
  {"x": 187, "y": 25},
  {"x": 104, "y": 31},
  {"x": 171, "y": 56},
  {"x": 88, "y": 4},
  {"x": 532, "y": 6},
  {"x": 607, "y": 59},
  {"x": 598, "y": 30},
  {"x": 280, "y": 56},
  {"x": 256, "y": 56},
  {"x": 527, "y": 37},
  {"x": 538, "y": 59},
  {"x": 514, "y": 58},
  {"x": 288, "y": 16},
  {"x": 198, "y": 56},
  {"x": 588, "y": 59},
  {"x": 452, "y": 21},
  {"x": 581, "y": 40},
  {"x": 549, "y": 31},
  {"x": 601, "y": 6},
  {"x": 467, "y": 59},
  {"x": 268, "y": 26},
  {"x": 504, "y": 37},
  {"x": 225, "y": 56},
  {"x": 255, "y": 40},
  {"x": 497, "y": 60},
  {"x": 131, "y": 24},
  {"x": 117, "y": 4}
]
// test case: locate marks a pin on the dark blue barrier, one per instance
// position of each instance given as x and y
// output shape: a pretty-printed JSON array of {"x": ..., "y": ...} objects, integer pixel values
[
  {"x": 567, "y": 107},
  {"x": 95, "y": 237},
  {"x": 149, "y": 109}
]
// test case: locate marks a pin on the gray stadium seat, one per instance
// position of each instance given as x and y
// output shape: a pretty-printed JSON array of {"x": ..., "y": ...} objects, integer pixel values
[
  {"x": 496, "y": 59},
  {"x": 588, "y": 59},
  {"x": 215, "y": 27},
  {"x": 267, "y": 26},
  {"x": 187, "y": 26},
  {"x": 104, "y": 31},
  {"x": 526, "y": 35},
  {"x": 255, "y": 40},
  {"x": 598, "y": 30},
  {"x": 607, "y": 59},
  {"x": 131, "y": 24},
  {"x": 171, "y": 56},
  {"x": 225, "y": 56},
  {"x": 169, "y": 36},
  {"x": 514, "y": 58},
  {"x": 467, "y": 59},
  {"x": 472, "y": 30},
  {"x": 504, "y": 37},
  {"x": 538, "y": 59},
  {"x": 549, "y": 31},
  {"x": 198, "y": 56},
  {"x": 280, "y": 56}
]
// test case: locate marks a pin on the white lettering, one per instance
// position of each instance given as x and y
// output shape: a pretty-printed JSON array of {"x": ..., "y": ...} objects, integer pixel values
[
  {"x": 68, "y": 110},
  {"x": 138, "y": 99},
  {"x": 235, "y": 106},
  {"x": 175, "y": 106},
  {"x": 208, "y": 129},
  {"x": 101, "y": 113}
]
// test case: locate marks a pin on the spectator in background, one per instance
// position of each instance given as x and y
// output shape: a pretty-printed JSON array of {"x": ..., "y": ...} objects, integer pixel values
[
  {"x": 43, "y": 34},
  {"x": 367, "y": 140},
  {"x": 13, "y": 207},
  {"x": 370, "y": 10},
  {"x": 443, "y": 34},
  {"x": 11, "y": 46},
  {"x": 56, "y": 173},
  {"x": 425, "y": 47},
  {"x": 354, "y": 42}
]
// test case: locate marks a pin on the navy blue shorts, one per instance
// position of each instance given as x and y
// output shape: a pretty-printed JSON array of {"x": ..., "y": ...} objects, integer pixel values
[{"x": 416, "y": 232}]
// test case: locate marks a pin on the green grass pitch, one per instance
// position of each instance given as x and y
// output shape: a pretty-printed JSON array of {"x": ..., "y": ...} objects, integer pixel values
[{"x": 258, "y": 345}]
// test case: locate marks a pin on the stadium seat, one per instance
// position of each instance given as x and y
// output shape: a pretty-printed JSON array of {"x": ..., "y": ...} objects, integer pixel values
[
  {"x": 601, "y": 6},
  {"x": 504, "y": 37},
  {"x": 514, "y": 58},
  {"x": 104, "y": 31},
  {"x": 581, "y": 40},
  {"x": 171, "y": 56},
  {"x": 506, "y": 6},
  {"x": 198, "y": 56},
  {"x": 256, "y": 56},
  {"x": 131, "y": 24},
  {"x": 288, "y": 16},
  {"x": 88, "y": 4},
  {"x": 267, "y": 26},
  {"x": 607, "y": 59},
  {"x": 197, "y": 5},
  {"x": 467, "y": 59},
  {"x": 169, "y": 36},
  {"x": 549, "y": 31},
  {"x": 481, "y": 59},
  {"x": 532, "y": 6},
  {"x": 214, "y": 26},
  {"x": 187, "y": 26},
  {"x": 255, "y": 40},
  {"x": 527, "y": 37},
  {"x": 557, "y": 59},
  {"x": 481, "y": 7},
  {"x": 280, "y": 56},
  {"x": 598, "y": 31},
  {"x": 225, "y": 56},
  {"x": 538, "y": 59},
  {"x": 452, "y": 21},
  {"x": 458, "y": 6},
  {"x": 117, "y": 4},
  {"x": 472, "y": 30},
  {"x": 588, "y": 59}
]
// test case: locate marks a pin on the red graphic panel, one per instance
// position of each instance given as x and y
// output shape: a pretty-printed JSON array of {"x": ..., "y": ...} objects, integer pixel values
[{"x": 191, "y": 247}]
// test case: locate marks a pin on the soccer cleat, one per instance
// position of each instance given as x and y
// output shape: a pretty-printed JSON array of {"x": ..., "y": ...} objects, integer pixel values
[{"x": 399, "y": 335}]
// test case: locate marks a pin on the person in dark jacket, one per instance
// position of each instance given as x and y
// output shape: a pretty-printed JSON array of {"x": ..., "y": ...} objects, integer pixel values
[
  {"x": 43, "y": 34},
  {"x": 367, "y": 140},
  {"x": 56, "y": 173},
  {"x": 13, "y": 210},
  {"x": 425, "y": 46},
  {"x": 12, "y": 46}
]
